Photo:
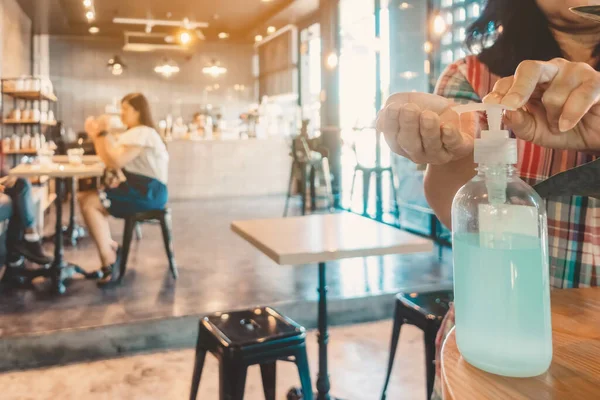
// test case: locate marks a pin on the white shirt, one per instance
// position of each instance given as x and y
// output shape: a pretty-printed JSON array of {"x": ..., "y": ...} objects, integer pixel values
[{"x": 153, "y": 161}]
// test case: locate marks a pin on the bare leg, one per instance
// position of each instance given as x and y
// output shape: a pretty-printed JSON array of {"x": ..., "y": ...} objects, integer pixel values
[{"x": 96, "y": 219}]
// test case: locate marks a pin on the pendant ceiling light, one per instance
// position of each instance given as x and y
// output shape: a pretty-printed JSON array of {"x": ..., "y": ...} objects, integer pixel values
[
  {"x": 214, "y": 69},
  {"x": 116, "y": 66},
  {"x": 167, "y": 68}
]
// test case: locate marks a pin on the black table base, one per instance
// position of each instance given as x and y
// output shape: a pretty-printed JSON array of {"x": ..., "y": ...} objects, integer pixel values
[
  {"x": 23, "y": 277},
  {"x": 323, "y": 383},
  {"x": 73, "y": 231},
  {"x": 59, "y": 271}
]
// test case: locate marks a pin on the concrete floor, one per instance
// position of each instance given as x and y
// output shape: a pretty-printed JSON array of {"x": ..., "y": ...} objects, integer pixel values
[
  {"x": 218, "y": 271},
  {"x": 358, "y": 358}
]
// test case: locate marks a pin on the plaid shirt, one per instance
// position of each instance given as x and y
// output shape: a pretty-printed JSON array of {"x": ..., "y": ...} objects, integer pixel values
[{"x": 573, "y": 222}]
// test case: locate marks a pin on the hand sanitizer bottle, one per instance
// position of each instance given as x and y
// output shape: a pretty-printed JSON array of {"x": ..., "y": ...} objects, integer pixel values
[{"x": 501, "y": 283}]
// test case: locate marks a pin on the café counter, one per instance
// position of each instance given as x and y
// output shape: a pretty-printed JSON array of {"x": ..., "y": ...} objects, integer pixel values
[{"x": 200, "y": 169}]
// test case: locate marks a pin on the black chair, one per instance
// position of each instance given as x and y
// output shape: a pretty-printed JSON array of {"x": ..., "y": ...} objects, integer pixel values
[
  {"x": 133, "y": 221},
  {"x": 367, "y": 171},
  {"x": 308, "y": 167},
  {"x": 425, "y": 311},
  {"x": 239, "y": 339}
]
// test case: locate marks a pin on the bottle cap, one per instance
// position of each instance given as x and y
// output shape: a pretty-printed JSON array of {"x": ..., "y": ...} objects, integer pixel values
[{"x": 494, "y": 146}]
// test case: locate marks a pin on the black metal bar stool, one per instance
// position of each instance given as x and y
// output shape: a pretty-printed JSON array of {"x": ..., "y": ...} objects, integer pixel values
[
  {"x": 425, "y": 311},
  {"x": 239, "y": 339},
  {"x": 132, "y": 223},
  {"x": 308, "y": 167}
]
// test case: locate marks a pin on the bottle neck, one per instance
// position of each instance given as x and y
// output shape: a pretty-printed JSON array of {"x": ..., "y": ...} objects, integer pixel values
[{"x": 484, "y": 170}]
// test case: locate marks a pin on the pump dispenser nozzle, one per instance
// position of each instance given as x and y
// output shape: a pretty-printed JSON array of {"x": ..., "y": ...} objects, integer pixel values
[
  {"x": 494, "y": 146},
  {"x": 494, "y": 150}
]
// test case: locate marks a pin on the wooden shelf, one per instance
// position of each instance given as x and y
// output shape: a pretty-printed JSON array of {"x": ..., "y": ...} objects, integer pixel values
[
  {"x": 22, "y": 151},
  {"x": 12, "y": 122},
  {"x": 31, "y": 95}
]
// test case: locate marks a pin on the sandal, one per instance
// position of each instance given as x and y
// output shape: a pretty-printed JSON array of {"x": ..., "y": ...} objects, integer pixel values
[{"x": 110, "y": 274}]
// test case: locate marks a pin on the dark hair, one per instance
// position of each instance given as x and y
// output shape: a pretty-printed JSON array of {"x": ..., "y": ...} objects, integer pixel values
[
  {"x": 140, "y": 104},
  {"x": 525, "y": 35}
]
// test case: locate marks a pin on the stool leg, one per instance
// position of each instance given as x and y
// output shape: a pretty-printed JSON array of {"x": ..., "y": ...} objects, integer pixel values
[
  {"x": 127, "y": 236},
  {"x": 352, "y": 187},
  {"x": 429, "y": 337},
  {"x": 165, "y": 224},
  {"x": 289, "y": 192},
  {"x": 313, "y": 189},
  {"x": 198, "y": 366},
  {"x": 138, "y": 231},
  {"x": 327, "y": 177},
  {"x": 232, "y": 380},
  {"x": 398, "y": 321},
  {"x": 268, "y": 372},
  {"x": 304, "y": 372},
  {"x": 366, "y": 189},
  {"x": 303, "y": 187}
]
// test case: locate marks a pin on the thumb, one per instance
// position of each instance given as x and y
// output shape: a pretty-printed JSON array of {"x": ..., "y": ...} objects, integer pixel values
[{"x": 521, "y": 123}]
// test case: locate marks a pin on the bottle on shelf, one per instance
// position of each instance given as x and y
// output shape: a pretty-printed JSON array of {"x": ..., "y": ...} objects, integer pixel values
[
  {"x": 26, "y": 141},
  {"x": 15, "y": 142},
  {"x": 501, "y": 271}
]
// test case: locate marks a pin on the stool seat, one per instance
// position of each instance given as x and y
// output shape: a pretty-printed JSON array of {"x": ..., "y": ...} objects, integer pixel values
[
  {"x": 240, "y": 339},
  {"x": 431, "y": 305},
  {"x": 151, "y": 215},
  {"x": 250, "y": 327}
]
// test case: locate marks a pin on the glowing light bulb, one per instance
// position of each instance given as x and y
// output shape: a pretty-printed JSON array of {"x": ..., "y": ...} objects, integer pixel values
[
  {"x": 427, "y": 47},
  {"x": 185, "y": 37},
  {"x": 332, "y": 60},
  {"x": 439, "y": 25}
]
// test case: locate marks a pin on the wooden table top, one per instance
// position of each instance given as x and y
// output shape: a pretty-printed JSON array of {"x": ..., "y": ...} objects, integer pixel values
[
  {"x": 86, "y": 159},
  {"x": 575, "y": 370},
  {"x": 58, "y": 170},
  {"x": 321, "y": 238}
]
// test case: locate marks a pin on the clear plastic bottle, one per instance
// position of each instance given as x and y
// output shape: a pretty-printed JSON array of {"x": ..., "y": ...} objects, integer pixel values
[{"x": 501, "y": 274}]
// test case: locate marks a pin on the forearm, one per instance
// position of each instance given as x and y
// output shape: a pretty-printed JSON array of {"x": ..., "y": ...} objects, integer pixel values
[
  {"x": 443, "y": 181},
  {"x": 106, "y": 151}
]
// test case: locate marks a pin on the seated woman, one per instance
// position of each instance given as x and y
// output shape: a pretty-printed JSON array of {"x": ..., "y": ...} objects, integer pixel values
[{"x": 142, "y": 156}]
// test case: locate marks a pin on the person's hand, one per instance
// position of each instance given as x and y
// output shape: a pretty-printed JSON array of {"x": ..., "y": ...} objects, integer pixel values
[
  {"x": 93, "y": 126},
  {"x": 423, "y": 128},
  {"x": 556, "y": 101}
]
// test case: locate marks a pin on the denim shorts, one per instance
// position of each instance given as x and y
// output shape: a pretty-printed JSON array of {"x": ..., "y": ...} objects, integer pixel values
[{"x": 138, "y": 193}]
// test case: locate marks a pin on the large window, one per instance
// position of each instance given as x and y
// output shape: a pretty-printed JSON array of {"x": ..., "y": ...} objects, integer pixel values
[
  {"x": 417, "y": 40},
  {"x": 357, "y": 64},
  {"x": 451, "y": 20}
]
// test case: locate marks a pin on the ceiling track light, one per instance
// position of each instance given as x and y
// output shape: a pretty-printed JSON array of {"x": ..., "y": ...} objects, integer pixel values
[
  {"x": 116, "y": 66},
  {"x": 90, "y": 11},
  {"x": 167, "y": 68},
  {"x": 214, "y": 69}
]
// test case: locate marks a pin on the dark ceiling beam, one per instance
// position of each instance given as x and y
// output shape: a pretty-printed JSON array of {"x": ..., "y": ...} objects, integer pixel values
[
  {"x": 44, "y": 14},
  {"x": 272, "y": 13}
]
